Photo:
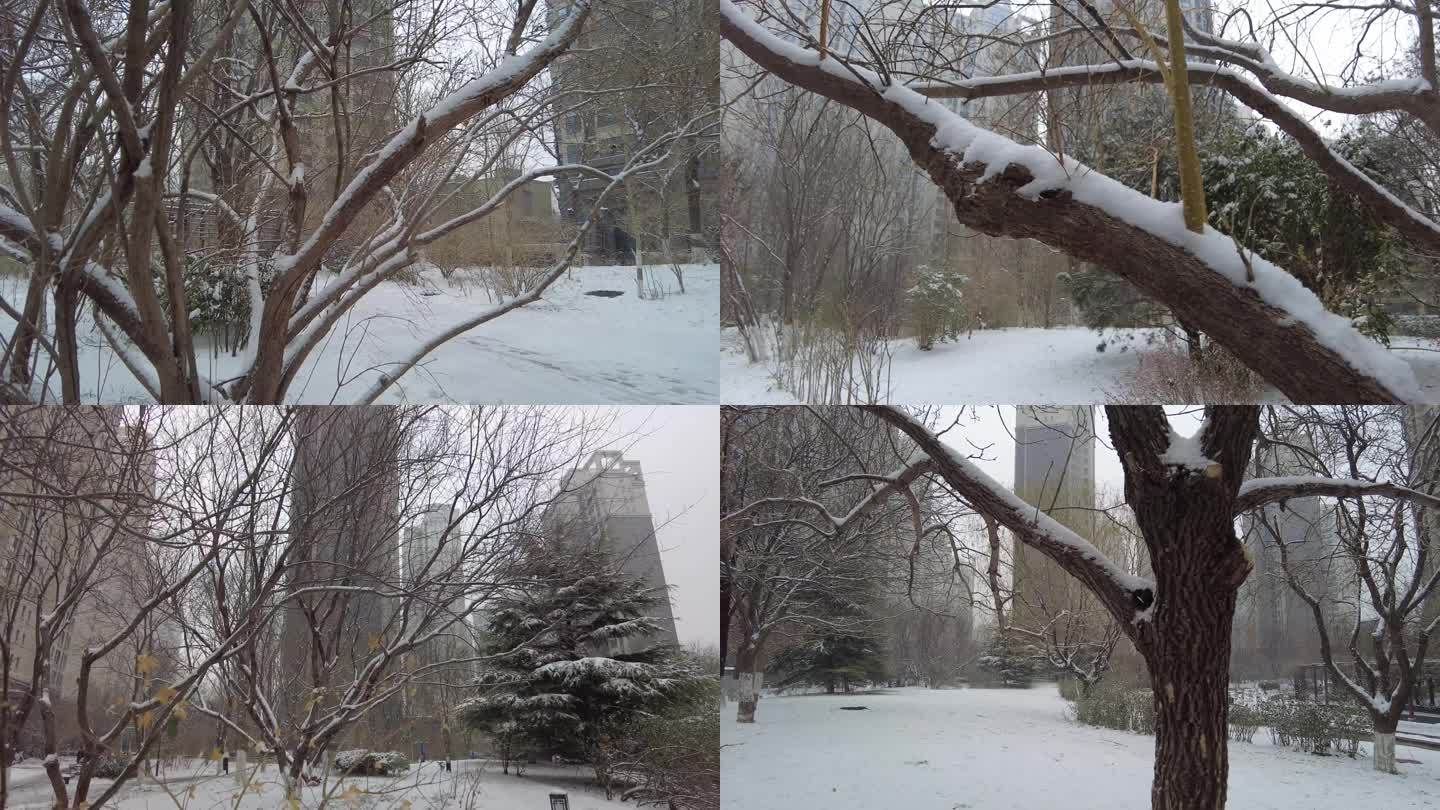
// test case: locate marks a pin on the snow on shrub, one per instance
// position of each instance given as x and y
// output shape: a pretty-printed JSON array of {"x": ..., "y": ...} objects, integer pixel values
[
  {"x": 1315, "y": 727},
  {"x": 362, "y": 762},
  {"x": 937, "y": 305}
]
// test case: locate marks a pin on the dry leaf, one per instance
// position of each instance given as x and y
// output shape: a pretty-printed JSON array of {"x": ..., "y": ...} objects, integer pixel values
[{"x": 146, "y": 663}]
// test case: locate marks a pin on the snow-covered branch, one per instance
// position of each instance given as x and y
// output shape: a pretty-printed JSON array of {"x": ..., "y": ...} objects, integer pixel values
[
  {"x": 1262, "y": 314},
  {"x": 1258, "y": 492}
]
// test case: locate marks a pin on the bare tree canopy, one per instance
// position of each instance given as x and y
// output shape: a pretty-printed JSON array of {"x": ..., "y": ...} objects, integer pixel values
[{"x": 299, "y": 157}]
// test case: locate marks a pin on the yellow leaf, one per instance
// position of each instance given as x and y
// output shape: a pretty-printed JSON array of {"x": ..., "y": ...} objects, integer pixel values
[
  {"x": 143, "y": 720},
  {"x": 146, "y": 663},
  {"x": 214, "y": 756},
  {"x": 165, "y": 694},
  {"x": 180, "y": 713},
  {"x": 293, "y": 802},
  {"x": 374, "y": 643}
]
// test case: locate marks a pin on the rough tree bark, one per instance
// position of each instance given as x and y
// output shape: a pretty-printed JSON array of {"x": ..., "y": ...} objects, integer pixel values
[{"x": 1186, "y": 515}]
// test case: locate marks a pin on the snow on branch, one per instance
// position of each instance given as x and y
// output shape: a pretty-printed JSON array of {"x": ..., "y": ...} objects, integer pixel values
[
  {"x": 1391, "y": 208},
  {"x": 1118, "y": 588},
  {"x": 1258, "y": 492},
  {"x": 1265, "y": 316}
]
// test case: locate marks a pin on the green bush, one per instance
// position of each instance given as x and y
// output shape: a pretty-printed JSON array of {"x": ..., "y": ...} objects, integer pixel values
[{"x": 937, "y": 306}]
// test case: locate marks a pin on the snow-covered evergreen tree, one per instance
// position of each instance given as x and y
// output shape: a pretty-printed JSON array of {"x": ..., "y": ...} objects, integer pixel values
[
  {"x": 836, "y": 661},
  {"x": 565, "y": 684},
  {"x": 1012, "y": 659}
]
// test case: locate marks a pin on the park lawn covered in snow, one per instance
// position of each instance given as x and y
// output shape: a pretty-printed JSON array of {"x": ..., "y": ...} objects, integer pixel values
[
  {"x": 1017, "y": 365},
  {"x": 567, "y": 347},
  {"x": 1002, "y": 749},
  {"x": 472, "y": 785}
]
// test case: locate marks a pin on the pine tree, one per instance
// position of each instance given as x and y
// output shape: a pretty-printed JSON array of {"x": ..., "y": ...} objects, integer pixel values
[
  {"x": 1014, "y": 660},
  {"x": 566, "y": 676},
  {"x": 832, "y": 660}
]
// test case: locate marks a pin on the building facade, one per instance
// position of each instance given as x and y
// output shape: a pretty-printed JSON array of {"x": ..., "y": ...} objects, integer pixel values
[
  {"x": 1055, "y": 473},
  {"x": 605, "y": 509},
  {"x": 667, "y": 52},
  {"x": 345, "y": 510}
]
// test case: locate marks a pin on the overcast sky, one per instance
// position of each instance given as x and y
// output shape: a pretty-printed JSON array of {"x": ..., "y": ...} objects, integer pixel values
[{"x": 678, "y": 447}]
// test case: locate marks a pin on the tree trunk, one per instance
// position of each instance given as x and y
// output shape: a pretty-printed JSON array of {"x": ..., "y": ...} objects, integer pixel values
[
  {"x": 1385, "y": 745},
  {"x": 1184, "y": 511},
  {"x": 749, "y": 679},
  {"x": 1190, "y": 674}
]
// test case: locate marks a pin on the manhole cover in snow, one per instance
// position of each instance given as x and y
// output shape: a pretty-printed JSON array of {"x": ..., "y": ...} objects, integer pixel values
[{"x": 605, "y": 293}]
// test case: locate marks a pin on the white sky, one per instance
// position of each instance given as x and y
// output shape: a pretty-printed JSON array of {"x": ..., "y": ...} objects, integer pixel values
[{"x": 679, "y": 449}]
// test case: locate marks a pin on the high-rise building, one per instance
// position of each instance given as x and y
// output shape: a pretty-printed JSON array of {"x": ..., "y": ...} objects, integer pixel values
[
  {"x": 46, "y": 548},
  {"x": 605, "y": 508},
  {"x": 434, "y": 570},
  {"x": 1054, "y": 472},
  {"x": 1274, "y": 628},
  {"x": 640, "y": 44},
  {"x": 345, "y": 510},
  {"x": 1422, "y": 434}
]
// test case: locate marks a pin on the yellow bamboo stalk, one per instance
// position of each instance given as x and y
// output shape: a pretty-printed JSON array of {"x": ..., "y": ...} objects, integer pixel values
[
  {"x": 1192, "y": 190},
  {"x": 824, "y": 25}
]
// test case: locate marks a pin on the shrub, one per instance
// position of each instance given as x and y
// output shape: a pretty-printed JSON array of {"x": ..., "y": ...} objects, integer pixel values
[
  {"x": 1167, "y": 372},
  {"x": 360, "y": 762},
  {"x": 109, "y": 768},
  {"x": 1070, "y": 689},
  {"x": 1141, "y": 705},
  {"x": 1113, "y": 705},
  {"x": 1315, "y": 727},
  {"x": 937, "y": 306},
  {"x": 1245, "y": 720}
]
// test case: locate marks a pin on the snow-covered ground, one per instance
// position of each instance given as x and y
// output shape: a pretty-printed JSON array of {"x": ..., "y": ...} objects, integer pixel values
[
  {"x": 566, "y": 348},
  {"x": 473, "y": 785},
  {"x": 999, "y": 749},
  {"x": 1015, "y": 365}
]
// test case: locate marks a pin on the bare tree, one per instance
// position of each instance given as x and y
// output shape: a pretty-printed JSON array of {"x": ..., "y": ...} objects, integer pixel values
[
  {"x": 303, "y": 141},
  {"x": 1384, "y": 559},
  {"x": 264, "y": 569}
]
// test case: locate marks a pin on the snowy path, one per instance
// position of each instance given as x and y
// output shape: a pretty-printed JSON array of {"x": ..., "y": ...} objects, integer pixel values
[
  {"x": 985, "y": 749},
  {"x": 1015, "y": 365},
  {"x": 568, "y": 347}
]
